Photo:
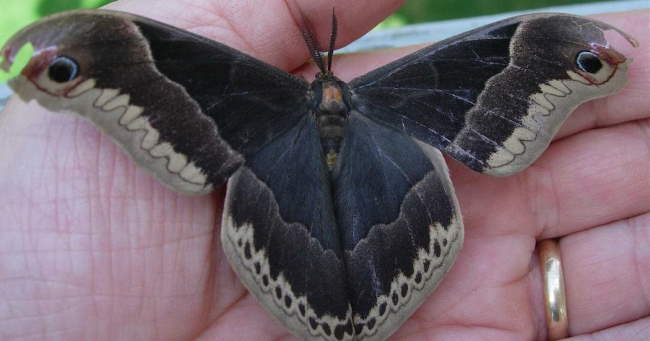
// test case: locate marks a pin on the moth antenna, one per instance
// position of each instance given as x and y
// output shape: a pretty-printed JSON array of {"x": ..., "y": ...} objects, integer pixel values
[
  {"x": 313, "y": 49},
  {"x": 330, "y": 50},
  {"x": 306, "y": 30}
]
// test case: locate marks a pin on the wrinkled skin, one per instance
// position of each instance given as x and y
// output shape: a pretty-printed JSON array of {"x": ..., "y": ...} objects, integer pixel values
[{"x": 94, "y": 248}]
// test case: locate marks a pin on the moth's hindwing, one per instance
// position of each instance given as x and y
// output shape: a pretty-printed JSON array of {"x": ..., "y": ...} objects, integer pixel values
[
  {"x": 279, "y": 233},
  {"x": 186, "y": 108},
  {"x": 346, "y": 259},
  {"x": 494, "y": 97},
  {"x": 400, "y": 222}
]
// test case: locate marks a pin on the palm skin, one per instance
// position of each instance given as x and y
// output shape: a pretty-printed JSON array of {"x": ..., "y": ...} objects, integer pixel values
[{"x": 94, "y": 248}]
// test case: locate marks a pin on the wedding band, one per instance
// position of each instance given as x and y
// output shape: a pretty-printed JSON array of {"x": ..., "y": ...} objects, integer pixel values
[{"x": 554, "y": 295}]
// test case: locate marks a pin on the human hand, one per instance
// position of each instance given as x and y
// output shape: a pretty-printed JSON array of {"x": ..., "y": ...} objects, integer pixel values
[{"x": 95, "y": 248}]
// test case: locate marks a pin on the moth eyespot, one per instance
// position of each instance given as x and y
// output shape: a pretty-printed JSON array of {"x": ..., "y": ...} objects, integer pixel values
[
  {"x": 63, "y": 69},
  {"x": 588, "y": 61}
]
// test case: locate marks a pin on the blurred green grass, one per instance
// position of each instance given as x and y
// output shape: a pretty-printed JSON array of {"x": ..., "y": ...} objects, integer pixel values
[
  {"x": 19, "y": 13},
  {"x": 432, "y": 10}
]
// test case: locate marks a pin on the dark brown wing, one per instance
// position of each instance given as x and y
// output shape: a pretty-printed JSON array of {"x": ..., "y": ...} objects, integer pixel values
[
  {"x": 494, "y": 97},
  {"x": 187, "y": 108}
]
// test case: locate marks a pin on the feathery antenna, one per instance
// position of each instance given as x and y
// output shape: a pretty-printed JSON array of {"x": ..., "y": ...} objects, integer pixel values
[
  {"x": 330, "y": 50},
  {"x": 311, "y": 41}
]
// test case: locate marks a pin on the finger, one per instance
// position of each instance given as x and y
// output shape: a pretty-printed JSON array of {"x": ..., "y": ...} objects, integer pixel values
[
  {"x": 633, "y": 331},
  {"x": 246, "y": 320},
  {"x": 485, "y": 294},
  {"x": 582, "y": 181},
  {"x": 266, "y": 29},
  {"x": 607, "y": 275}
]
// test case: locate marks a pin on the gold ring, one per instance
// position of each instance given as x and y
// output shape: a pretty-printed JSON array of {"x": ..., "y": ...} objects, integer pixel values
[{"x": 557, "y": 321}]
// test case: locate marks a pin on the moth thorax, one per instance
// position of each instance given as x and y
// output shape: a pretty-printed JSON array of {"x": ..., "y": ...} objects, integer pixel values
[{"x": 331, "y": 116}]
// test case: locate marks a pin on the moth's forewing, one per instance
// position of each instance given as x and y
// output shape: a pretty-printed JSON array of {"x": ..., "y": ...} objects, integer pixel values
[{"x": 494, "y": 97}]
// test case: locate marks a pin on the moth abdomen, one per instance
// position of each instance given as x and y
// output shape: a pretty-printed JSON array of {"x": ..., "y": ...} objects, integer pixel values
[{"x": 331, "y": 113}]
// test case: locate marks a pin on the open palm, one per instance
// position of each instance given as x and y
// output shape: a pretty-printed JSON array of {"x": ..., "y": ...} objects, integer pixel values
[{"x": 92, "y": 247}]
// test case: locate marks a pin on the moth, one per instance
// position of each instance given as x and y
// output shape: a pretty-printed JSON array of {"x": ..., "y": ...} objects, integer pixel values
[{"x": 340, "y": 216}]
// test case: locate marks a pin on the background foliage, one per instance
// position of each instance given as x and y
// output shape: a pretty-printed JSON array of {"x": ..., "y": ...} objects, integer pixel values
[{"x": 431, "y": 10}]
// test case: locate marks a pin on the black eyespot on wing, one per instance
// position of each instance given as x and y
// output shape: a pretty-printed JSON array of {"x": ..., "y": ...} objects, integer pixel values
[
  {"x": 588, "y": 61},
  {"x": 63, "y": 69}
]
